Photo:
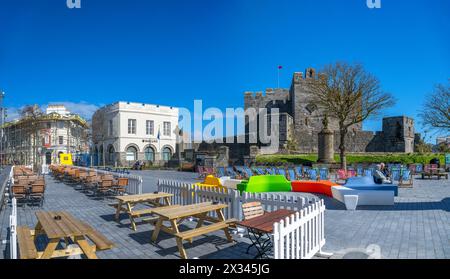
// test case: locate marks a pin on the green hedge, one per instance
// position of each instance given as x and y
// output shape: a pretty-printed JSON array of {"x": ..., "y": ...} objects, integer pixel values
[{"x": 353, "y": 158}]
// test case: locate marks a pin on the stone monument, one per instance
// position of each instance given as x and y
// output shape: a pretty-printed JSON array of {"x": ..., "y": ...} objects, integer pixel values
[{"x": 326, "y": 144}]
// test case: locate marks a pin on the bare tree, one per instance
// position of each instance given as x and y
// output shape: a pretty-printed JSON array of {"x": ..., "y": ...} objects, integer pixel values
[
  {"x": 31, "y": 116},
  {"x": 350, "y": 95},
  {"x": 436, "y": 110}
]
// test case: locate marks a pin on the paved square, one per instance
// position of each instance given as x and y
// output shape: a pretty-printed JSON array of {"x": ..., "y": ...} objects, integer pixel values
[{"x": 417, "y": 226}]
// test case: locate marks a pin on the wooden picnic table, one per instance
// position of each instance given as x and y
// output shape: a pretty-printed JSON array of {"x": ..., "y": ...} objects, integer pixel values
[
  {"x": 175, "y": 214},
  {"x": 60, "y": 225},
  {"x": 260, "y": 228},
  {"x": 127, "y": 203}
]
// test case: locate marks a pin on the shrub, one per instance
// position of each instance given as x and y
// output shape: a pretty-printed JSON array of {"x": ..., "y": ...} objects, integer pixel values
[{"x": 354, "y": 158}]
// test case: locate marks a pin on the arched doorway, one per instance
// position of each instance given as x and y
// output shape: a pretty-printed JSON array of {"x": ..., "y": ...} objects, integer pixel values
[
  {"x": 149, "y": 154},
  {"x": 111, "y": 155},
  {"x": 131, "y": 154},
  {"x": 101, "y": 159},
  {"x": 166, "y": 154},
  {"x": 48, "y": 158},
  {"x": 95, "y": 157}
]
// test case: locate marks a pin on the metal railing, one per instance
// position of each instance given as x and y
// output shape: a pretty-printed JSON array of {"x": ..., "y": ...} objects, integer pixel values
[{"x": 13, "y": 230}]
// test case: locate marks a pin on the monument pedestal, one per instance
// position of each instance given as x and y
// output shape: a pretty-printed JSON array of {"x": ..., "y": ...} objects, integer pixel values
[{"x": 326, "y": 147}]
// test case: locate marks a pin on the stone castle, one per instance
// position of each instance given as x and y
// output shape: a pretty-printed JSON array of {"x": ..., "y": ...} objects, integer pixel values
[{"x": 301, "y": 121}]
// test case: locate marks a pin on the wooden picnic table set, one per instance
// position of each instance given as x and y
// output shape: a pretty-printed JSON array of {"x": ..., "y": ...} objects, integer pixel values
[
  {"x": 89, "y": 180},
  {"x": 27, "y": 186},
  {"x": 163, "y": 211},
  {"x": 60, "y": 226},
  {"x": 434, "y": 171}
]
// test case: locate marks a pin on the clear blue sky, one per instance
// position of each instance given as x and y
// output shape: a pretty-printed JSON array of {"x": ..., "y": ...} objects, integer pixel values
[{"x": 171, "y": 52}]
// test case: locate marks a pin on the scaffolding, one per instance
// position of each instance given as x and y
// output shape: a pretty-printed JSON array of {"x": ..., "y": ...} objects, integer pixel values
[{"x": 29, "y": 140}]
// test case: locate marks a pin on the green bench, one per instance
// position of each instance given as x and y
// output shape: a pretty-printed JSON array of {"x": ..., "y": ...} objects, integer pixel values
[{"x": 265, "y": 183}]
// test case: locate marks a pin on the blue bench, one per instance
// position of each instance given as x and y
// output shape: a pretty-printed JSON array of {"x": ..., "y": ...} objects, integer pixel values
[{"x": 367, "y": 183}]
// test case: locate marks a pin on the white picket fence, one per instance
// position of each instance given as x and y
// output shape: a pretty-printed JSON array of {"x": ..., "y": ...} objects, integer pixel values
[
  {"x": 301, "y": 235},
  {"x": 134, "y": 182},
  {"x": 187, "y": 193},
  {"x": 13, "y": 230}
]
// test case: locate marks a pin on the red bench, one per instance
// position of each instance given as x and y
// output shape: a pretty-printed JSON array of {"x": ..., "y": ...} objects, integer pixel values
[{"x": 320, "y": 187}]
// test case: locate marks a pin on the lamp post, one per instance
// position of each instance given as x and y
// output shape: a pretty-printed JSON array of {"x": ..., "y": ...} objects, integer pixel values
[{"x": 2, "y": 122}]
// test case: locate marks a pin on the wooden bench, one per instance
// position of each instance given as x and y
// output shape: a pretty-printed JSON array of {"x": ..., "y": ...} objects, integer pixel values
[
  {"x": 25, "y": 239},
  {"x": 188, "y": 235},
  {"x": 100, "y": 241},
  {"x": 140, "y": 212},
  {"x": 438, "y": 175}
]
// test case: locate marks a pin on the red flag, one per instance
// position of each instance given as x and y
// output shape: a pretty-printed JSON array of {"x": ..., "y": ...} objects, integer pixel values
[{"x": 280, "y": 67}]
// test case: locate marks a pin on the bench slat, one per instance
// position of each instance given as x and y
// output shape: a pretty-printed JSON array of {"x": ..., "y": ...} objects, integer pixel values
[
  {"x": 27, "y": 248},
  {"x": 100, "y": 241},
  {"x": 205, "y": 229}
]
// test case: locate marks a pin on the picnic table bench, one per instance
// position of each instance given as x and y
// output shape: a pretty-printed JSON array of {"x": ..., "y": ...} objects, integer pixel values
[
  {"x": 127, "y": 203},
  {"x": 175, "y": 215},
  {"x": 57, "y": 226},
  {"x": 435, "y": 172}
]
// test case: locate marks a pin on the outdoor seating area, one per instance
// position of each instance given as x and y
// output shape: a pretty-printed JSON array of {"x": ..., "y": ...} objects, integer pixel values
[
  {"x": 182, "y": 220},
  {"x": 354, "y": 187},
  {"x": 27, "y": 186},
  {"x": 90, "y": 180},
  {"x": 401, "y": 174}
]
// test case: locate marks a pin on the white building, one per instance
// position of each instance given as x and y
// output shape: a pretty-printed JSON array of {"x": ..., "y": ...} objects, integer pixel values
[
  {"x": 42, "y": 138},
  {"x": 125, "y": 132}
]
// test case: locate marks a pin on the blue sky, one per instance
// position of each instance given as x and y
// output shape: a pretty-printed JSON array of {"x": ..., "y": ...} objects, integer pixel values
[{"x": 171, "y": 52}]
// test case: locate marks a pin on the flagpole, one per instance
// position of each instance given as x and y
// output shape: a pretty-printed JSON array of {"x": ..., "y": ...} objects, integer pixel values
[
  {"x": 159, "y": 145},
  {"x": 278, "y": 80}
]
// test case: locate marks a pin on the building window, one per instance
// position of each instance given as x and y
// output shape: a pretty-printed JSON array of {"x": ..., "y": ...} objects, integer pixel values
[
  {"x": 167, "y": 154},
  {"x": 132, "y": 126},
  {"x": 166, "y": 128},
  {"x": 60, "y": 124},
  {"x": 131, "y": 153},
  {"x": 61, "y": 140},
  {"x": 149, "y": 154},
  {"x": 149, "y": 127},
  {"x": 110, "y": 128}
]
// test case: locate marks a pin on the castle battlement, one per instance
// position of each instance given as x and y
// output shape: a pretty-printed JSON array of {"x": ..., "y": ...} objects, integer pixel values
[
  {"x": 270, "y": 93},
  {"x": 308, "y": 75}
]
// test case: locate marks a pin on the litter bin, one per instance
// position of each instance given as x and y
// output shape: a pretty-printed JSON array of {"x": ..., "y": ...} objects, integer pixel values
[{"x": 435, "y": 161}]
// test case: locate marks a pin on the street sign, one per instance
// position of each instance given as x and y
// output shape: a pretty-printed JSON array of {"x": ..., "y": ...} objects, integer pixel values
[{"x": 150, "y": 141}]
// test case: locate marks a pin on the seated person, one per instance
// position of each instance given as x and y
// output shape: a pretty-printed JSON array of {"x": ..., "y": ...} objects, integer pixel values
[
  {"x": 385, "y": 170},
  {"x": 379, "y": 177}
]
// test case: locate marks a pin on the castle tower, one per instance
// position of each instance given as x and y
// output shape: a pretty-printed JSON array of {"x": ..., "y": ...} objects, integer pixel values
[{"x": 398, "y": 134}]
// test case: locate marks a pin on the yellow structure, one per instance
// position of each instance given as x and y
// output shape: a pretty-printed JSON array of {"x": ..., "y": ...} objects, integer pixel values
[
  {"x": 65, "y": 159},
  {"x": 211, "y": 181}
]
